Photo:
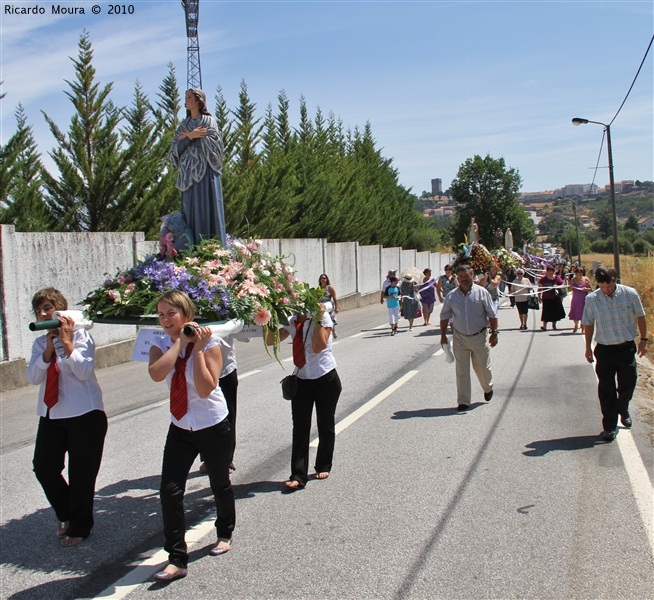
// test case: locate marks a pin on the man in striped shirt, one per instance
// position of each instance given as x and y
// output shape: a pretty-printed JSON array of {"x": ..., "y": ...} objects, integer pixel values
[{"x": 614, "y": 313}]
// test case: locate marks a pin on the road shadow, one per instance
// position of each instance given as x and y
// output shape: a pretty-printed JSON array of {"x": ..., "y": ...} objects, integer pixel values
[
  {"x": 582, "y": 442},
  {"x": 376, "y": 333},
  {"x": 433, "y": 332},
  {"x": 128, "y": 525},
  {"x": 244, "y": 491},
  {"x": 428, "y": 413},
  {"x": 60, "y": 588}
]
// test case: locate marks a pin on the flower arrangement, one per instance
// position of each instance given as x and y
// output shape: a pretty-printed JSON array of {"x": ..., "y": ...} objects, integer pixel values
[
  {"x": 506, "y": 259},
  {"x": 237, "y": 281},
  {"x": 476, "y": 255}
]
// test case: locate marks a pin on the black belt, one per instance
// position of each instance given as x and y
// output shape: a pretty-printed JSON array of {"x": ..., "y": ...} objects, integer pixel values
[
  {"x": 472, "y": 334},
  {"x": 616, "y": 345}
]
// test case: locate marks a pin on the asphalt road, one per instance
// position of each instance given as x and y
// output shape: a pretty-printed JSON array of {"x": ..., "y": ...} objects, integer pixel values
[{"x": 518, "y": 498}]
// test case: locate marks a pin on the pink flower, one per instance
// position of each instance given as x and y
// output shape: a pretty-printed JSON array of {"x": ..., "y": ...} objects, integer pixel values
[
  {"x": 215, "y": 280},
  {"x": 129, "y": 290},
  {"x": 262, "y": 316},
  {"x": 228, "y": 272},
  {"x": 114, "y": 295},
  {"x": 253, "y": 289}
]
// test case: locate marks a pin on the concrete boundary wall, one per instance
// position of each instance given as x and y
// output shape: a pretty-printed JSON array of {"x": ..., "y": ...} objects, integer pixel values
[
  {"x": 76, "y": 263},
  {"x": 306, "y": 256},
  {"x": 408, "y": 259},
  {"x": 370, "y": 272},
  {"x": 423, "y": 260},
  {"x": 390, "y": 259},
  {"x": 341, "y": 267}
]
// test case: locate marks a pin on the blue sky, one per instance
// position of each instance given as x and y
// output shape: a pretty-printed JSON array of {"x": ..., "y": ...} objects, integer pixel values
[{"x": 438, "y": 81}]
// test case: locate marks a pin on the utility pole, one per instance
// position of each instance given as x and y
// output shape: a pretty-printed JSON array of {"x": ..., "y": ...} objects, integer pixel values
[{"x": 574, "y": 210}]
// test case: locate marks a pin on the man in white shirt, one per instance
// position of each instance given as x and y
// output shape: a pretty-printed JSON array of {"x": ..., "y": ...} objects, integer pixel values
[
  {"x": 615, "y": 314},
  {"x": 472, "y": 310}
]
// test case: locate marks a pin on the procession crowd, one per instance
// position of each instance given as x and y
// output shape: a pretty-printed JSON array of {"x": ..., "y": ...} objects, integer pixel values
[{"x": 200, "y": 368}]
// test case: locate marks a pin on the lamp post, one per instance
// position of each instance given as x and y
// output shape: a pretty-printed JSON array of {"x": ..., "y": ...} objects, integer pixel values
[
  {"x": 616, "y": 247},
  {"x": 574, "y": 210}
]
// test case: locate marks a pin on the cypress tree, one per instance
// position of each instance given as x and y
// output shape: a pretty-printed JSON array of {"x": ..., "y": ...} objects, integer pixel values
[
  {"x": 21, "y": 200},
  {"x": 156, "y": 194},
  {"x": 92, "y": 166}
]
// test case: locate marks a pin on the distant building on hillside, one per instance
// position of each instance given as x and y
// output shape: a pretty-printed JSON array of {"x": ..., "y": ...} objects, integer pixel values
[
  {"x": 579, "y": 189},
  {"x": 622, "y": 187},
  {"x": 436, "y": 187},
  {"x": 645, "y": 223},
  {"x": 576, "y": 189}
]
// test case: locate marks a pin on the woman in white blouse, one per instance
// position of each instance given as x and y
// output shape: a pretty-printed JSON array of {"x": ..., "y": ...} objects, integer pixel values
[
  {"x": 319, "y": 384},
  {"x": 71, "y": 418},
  {"x": 522, "y": 289},
  {"x": 199, "y": 424}
]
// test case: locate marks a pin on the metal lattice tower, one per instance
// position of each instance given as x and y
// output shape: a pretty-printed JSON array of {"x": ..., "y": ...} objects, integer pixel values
[{"x": 193, "y": 73}]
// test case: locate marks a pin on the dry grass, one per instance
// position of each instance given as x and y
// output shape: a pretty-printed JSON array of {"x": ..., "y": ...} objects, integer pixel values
[{"x": 638, "y": 272}]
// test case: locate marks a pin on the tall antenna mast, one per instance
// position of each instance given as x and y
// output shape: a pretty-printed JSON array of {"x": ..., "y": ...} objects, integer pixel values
[{"x": 193, "y": 74}]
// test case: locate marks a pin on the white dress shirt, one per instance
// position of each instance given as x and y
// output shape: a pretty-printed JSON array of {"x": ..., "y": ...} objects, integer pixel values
[
  {"x": 614, "y": 318},
  {"x": 469, "y": 312},
  {"x": 319, "y": 364},
  {"x": 79, "y": 391},
  {"x": 229, "y": 355},
  {"x": 202, "y": 412}
]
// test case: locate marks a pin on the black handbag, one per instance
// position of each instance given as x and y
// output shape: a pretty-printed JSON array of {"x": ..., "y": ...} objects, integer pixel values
[
  {"x": 289, "y": 387},
  {"x": 533, "y": 303}
]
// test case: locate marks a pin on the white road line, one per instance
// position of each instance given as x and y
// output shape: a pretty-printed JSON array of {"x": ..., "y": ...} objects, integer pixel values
[
  {"x": 148, "y": 567},
  {"x": 253, "y": 372},
  {"x": 640, "y": 483},
  {"x": 368, "y": 406}
]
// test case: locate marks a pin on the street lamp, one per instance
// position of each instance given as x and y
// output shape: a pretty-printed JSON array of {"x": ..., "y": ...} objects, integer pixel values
[{"x": 616, "y": 247}]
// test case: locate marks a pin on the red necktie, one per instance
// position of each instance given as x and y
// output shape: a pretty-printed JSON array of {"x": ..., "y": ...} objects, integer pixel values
[
  {"x": 51, "y": 395},
  {"x": 299, "y": 359},
  {"x": 178, "y": 391}
]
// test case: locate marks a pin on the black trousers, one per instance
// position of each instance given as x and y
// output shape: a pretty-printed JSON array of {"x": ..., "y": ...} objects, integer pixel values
[
  {"x": 613, "y": 362},
  {"x": 182, "y": 448},
  {"x": 83, "y": 439},
  {"x": 324, "y": 393},
  {"x": 229, "y": 387}
]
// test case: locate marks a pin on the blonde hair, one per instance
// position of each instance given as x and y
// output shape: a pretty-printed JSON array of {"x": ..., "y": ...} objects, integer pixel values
[{"x": 178, "y": 300}]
